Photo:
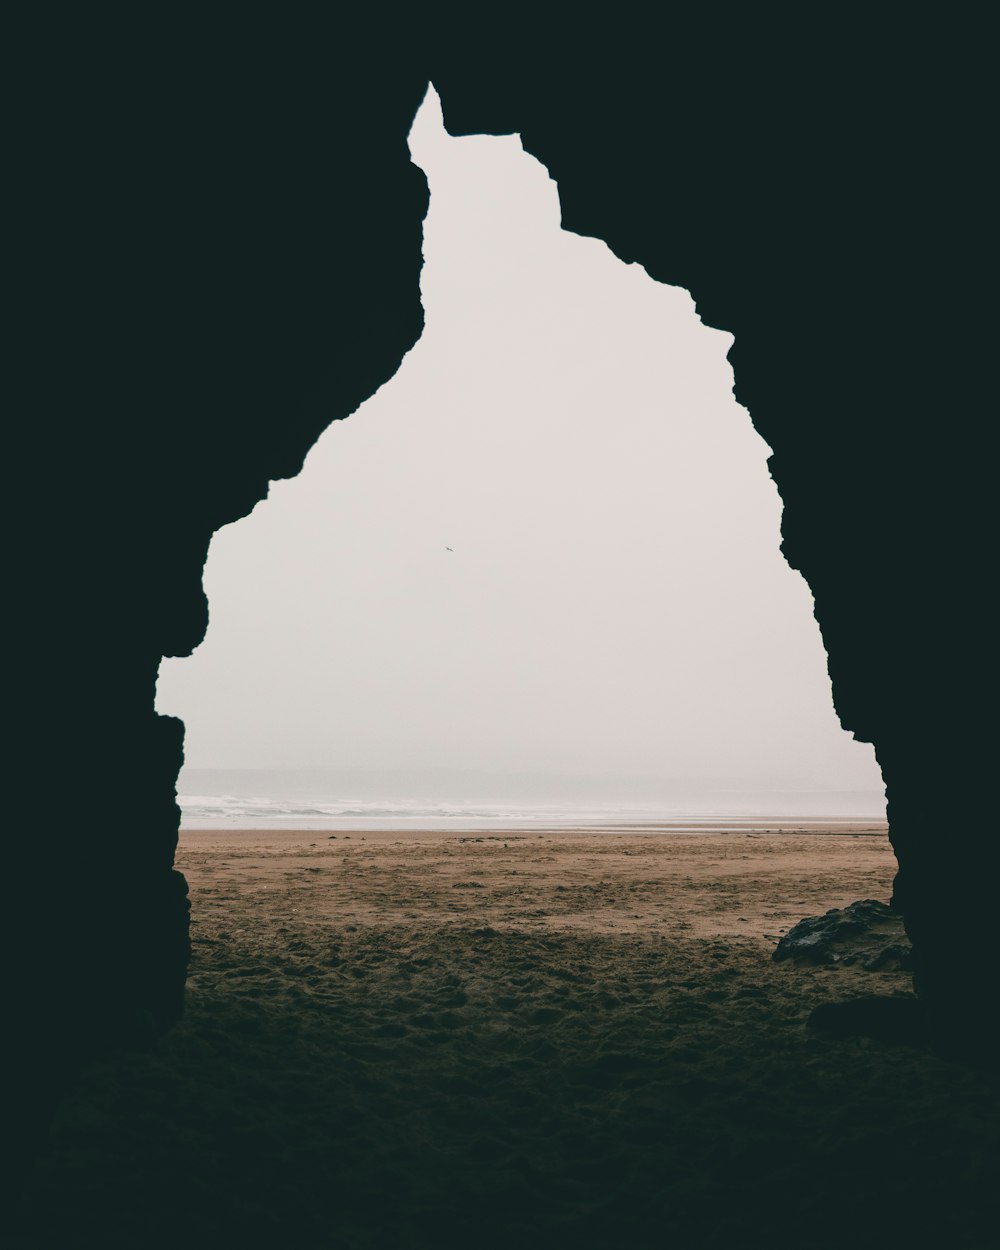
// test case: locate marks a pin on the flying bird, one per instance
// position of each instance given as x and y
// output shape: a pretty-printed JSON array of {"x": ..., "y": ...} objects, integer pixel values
[{"x": 451, "y": 549}]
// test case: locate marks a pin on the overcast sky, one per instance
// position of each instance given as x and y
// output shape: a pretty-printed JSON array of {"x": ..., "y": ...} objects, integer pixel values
[{"x": 614, "y": 600}]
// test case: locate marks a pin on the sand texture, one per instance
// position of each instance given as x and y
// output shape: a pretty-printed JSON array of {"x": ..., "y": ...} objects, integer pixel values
[{"x": 555, "y": 1039}]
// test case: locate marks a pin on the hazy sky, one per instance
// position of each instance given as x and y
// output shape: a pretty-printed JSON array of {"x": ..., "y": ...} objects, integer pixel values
[{"x": 615, "y": 601}]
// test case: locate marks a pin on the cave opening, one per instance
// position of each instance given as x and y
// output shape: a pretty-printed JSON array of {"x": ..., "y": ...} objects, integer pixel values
[{"x": 534, "y": 580}]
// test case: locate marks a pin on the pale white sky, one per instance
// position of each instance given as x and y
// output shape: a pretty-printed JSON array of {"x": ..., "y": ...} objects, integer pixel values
[{"x": 615, "y": 601}]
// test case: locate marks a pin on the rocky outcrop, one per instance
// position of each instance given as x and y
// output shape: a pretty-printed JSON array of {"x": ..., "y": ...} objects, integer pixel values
[
  {"x": 219, "y": 254},
  {"x": 821, "y": 195},
  {"x": 867, "y": 933}
]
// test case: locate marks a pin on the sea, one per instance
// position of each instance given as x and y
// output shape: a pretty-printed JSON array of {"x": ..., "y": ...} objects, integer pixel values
[{"x": 360, "y": 799}]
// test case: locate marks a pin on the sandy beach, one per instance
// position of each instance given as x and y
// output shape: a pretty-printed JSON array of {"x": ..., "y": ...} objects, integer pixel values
[{"x": 558, "y": 1038}]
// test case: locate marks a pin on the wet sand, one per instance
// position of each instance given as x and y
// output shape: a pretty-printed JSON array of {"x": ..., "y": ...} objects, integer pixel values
[{"x": 558, "y": 1038}]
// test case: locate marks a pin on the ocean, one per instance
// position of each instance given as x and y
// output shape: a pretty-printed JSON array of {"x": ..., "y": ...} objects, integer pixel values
[{"x": 440, "y": 799}]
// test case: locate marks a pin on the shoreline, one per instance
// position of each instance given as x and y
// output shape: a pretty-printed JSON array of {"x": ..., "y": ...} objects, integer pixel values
[{"x": 824, "y": 827}]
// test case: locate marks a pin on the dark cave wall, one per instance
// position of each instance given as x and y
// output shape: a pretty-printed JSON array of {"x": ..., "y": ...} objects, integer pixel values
[
  {"x": 219, "y": 253},
  {"x": 806, "y": 197}
]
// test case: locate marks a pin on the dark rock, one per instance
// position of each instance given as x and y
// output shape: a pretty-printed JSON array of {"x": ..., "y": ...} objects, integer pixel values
[
  {"x": 866, "y": 932},
  {"x": 900, "y": 1020},
  {"x": 896, "y": 957}
]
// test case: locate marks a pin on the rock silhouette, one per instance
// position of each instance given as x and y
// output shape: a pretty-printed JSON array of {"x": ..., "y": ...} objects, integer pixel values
[{"x": 217, "y": 254}]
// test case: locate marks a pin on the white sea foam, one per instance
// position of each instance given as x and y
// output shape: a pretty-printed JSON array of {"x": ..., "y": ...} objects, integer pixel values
[{"x": 296, "y": 801}]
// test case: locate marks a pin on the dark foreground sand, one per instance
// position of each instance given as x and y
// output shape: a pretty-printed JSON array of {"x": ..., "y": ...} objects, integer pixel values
[{"x": 520, "y": 1040}]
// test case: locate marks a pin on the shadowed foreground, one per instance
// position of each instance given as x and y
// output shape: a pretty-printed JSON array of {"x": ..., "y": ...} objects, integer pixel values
[{"x": 519, "y": 1039}]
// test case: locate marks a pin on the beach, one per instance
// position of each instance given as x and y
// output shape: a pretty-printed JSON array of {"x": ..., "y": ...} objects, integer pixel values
[{"x": 528, "y": 1037}]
